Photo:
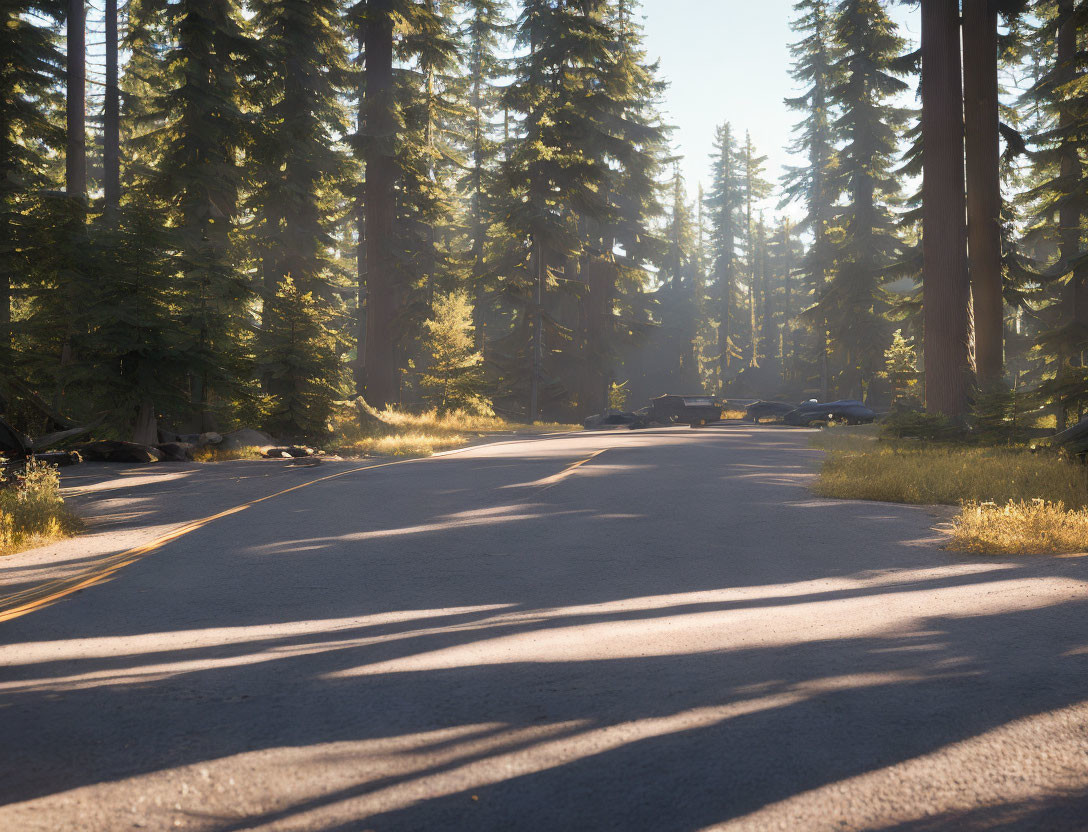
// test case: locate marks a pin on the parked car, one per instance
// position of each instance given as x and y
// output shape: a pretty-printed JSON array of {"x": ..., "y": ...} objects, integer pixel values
[
  {"x": 846, "y": 410},
  {"x": 686, "y": 410}
]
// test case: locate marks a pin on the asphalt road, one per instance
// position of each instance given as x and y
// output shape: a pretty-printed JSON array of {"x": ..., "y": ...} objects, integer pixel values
[{"x": 656, "y": 630}]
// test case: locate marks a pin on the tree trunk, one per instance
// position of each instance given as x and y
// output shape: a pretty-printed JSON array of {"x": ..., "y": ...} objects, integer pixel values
[
  {"x": 379, "y": 355},
  {"x": 1069, "y": 216},
  {"x": 75, "y": 160},
  {"x": 359, "y": 365},
  {"x": 146, "y": 431},
  {"x": 946, "y": 286},
  {"x": 983, "y": 186},
  {"x": 111, "y": 136}
]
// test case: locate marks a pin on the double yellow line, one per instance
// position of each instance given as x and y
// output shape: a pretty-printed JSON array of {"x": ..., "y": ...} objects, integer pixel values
[{"x": 34, "y": 598}]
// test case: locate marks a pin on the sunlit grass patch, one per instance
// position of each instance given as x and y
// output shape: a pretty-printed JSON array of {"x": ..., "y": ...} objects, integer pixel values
[
  {"x": 212, "y": 453},
  {"x": 405, "y": 433},
  {"x": 412, "y": 443},
  {"x": 32, "y": 511},
  {"x": 734, "y": 414},
  {"x": 1020, "y": 528},
  {"x": 949, "y": 474}
]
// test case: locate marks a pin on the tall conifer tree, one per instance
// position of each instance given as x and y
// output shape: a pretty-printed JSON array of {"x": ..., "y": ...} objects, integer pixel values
[{"x": 869, "y": 124}]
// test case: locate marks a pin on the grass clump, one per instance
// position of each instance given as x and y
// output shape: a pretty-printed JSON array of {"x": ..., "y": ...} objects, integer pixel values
[
  {"x": 32, "y": 511},
  {"x": 950, "y": 475},
  {"x": 412, "y": 443},
  {"x": 212, "y": 453},
  {"x": 393, "y": 432},
  {"x": 1021, "y": 528}
]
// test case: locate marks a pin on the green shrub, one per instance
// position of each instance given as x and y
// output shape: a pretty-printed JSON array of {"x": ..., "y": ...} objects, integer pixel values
[{"x": 32, "y": 510}]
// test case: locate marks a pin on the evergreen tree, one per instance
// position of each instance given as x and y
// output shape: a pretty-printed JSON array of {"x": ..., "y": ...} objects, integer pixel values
[
  {"x": 724, "y": 203},
  {"x": 756, "y": 188},
  {"x": 1060, "y": 145},
  {"x": 551, "y": 182},
  {"x": 30, "y": 68},
  {"x": 483, "y": 31},
  {"x": 454, "y": 377},
  {"x": 869, "y": 125},
  {"x": 298, "y": 183},
  {"x": 300, "y": 355},
  {"x": 814, "y": 184},
  {"x": 679, "y": 304},
  {"x": 193, "y": 149}
]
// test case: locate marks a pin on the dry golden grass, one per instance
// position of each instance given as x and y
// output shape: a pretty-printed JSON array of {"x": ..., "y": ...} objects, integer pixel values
[
  {"x": 1012, "y": 501},
  {"x": 1020, "y": 528},
  {"x": 32, "y": 511},
  {"x": 425, "y": 433},
  {"x": 734, "y": 414},
  {"x": 412, "y": 443},
  {"x": 950, "y": 475},
  {"x": 210, "y": 453}
]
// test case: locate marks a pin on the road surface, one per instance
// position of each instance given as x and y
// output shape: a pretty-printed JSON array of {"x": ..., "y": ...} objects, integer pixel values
[{"x": 654, "y": 630}]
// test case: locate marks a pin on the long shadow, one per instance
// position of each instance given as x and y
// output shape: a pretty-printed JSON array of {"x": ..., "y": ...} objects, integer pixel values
[{"x": 746, "y": 726}]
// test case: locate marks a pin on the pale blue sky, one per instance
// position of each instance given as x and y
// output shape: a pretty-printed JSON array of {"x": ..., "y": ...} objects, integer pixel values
[{"x": 728, "y": 60}]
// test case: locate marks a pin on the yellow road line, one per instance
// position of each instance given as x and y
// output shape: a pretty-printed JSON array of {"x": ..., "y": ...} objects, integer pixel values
[
  {"x": 554, "y": 479},
  {"x": 28, "y": 600},
  {"x": 35, "y": 598}
]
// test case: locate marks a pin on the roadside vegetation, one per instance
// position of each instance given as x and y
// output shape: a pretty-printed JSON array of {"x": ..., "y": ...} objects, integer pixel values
[
  {"x": 32, "y": 511},
  {"x": 395, "y": 432},
  {"x": 212, "y": 453},
  {"x": 1013, "y": 499}
]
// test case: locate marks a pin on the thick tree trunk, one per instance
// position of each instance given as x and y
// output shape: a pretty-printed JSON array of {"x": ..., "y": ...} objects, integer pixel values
[
  {"x": 983, "y": 186},
  {"x": 359, "y": 365},
  {"x": 946, "y": 286},
  {"x": 75, "y": 161},
  {"x": 146, "y": 430},
  {"x": 111, "y": 136},
  {"x": 379, "y": 355},
  {"x": 1075, "y": 298}
]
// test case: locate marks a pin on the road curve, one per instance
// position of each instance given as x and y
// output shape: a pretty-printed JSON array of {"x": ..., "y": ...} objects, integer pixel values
[{"x": 654, "y": 630}]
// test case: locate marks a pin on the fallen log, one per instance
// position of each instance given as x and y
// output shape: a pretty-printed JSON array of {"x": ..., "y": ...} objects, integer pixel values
[{"x": 114, "y": 450}]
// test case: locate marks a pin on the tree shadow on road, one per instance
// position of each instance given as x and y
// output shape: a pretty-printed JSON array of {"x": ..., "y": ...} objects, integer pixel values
[{"x": 606, "y": 679}]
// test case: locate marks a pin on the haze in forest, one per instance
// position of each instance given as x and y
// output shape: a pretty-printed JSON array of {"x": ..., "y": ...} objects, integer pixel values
[{"x": 731, "y": 57}]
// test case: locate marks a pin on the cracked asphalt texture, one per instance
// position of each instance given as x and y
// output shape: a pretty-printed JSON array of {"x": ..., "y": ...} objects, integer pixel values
[{"x": 675, "y": 635}]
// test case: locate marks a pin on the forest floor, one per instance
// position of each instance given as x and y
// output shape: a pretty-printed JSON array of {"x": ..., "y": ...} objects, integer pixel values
[{"x": 658, "y": 629}]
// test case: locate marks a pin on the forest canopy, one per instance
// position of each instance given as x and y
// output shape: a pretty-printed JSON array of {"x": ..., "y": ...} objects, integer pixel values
[{"x": 241, "y": 212}]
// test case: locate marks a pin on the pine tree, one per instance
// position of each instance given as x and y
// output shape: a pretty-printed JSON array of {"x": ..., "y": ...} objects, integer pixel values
[
  {"x": 298, "y": 181},
  {"x": 679, "y": 309},
  {"x": 552, "y": 183},
  {"x": 814, "y": 184},
  {"x": 193, "y": 151},
  {"x": 31, "y": 66},
  {"x": 869, "y": 125},
  {"x": 301, "y": 356},
  {"x": 756, "y": 188},
  {"x": 1060, "y": 145},
  {"x": 619, "y": 243},
  {"x": 454, "y": 377},
  {"x": 402, "y": 200},
  {"x": 483, "y": 31},
  {"x": 901, "y": 367},
  {"x": 724, "y": 203}
]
